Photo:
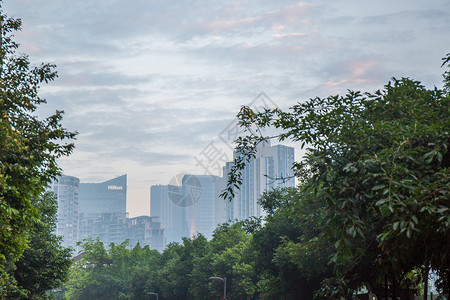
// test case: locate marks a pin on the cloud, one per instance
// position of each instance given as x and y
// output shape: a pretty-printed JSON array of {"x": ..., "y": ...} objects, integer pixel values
[{"x": 151, "y": 82}]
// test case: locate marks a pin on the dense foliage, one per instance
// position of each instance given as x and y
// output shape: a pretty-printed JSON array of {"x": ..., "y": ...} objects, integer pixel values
[
  {"x": 29, "y": 148},
  {"x": 248, "y": 255},
  {"x": 378, "y": 166},
  {"x": 45, "y": 264},
  {"x": 182, "y": 271}
]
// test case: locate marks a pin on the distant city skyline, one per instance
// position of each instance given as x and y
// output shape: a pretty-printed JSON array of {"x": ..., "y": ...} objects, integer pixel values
[
  {"x": 191, "y": 204},
  {"x": 188, "y": 206},
  {"x": 152, "y": 86},
  {"x": 98, "y": 210}
]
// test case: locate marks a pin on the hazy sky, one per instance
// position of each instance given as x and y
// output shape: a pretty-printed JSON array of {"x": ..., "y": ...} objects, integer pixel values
[{"x": 150, "y": 84}]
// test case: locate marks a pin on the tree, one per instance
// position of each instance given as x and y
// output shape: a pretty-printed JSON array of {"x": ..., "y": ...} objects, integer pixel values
[
  {"x": 120, "y": 273},
  {"x": 109, "y": 273},
  {"x": 175, "y": 278},
  {"x": 233, "y": 257},
  {"x": 380, "y": 164},
  {"x": 291, "y": 251},
  {"x": 29, "y": 147},
  {"x": 45, "y": 264}
]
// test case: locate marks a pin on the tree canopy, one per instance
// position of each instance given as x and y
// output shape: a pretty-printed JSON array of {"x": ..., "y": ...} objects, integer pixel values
[
  {"x": 378, "y": 163},
  {"x": 182, "y": 271}
]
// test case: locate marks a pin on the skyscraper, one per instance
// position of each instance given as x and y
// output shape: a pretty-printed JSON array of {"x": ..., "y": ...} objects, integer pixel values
[
  {"x": 185, "y": 210},
  {"x": 171, "y": 214},
  {"x": 200, "y": 215},
  {"x": 108, "y": 196},
  {"x": 271, "y": 168},
  {"x": 109, "y": 227},
  {"x": 196, "y": 207},
  {"x": 224, "y": 209},
  {"x": 103, "y": 210},
  {"x": 66, "y": 189}
]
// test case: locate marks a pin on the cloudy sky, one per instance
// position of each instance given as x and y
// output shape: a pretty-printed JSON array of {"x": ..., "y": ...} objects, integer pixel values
[{"x": 151, "y": 86}]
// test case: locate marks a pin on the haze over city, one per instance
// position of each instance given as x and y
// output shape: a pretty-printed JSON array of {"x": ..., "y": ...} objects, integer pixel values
[{"x": 149, "y": 84}]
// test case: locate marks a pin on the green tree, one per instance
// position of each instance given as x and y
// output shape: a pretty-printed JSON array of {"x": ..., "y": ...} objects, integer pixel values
[
  {"x": 380, "y": 164},
  {"x": 229, "y": 255},
  {"x": 45, "y": 264},
  {"x": 29, "y": 146},
  {"x": 175, "y": 277},
  {"x": 236, "y": 263},
  {"x": 109, "y": 273},
  {"x": 144, "y": 275},
  {"x": 291, "y": 251}
]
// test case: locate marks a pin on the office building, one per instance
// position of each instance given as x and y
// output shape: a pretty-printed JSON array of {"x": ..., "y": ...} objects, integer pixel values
[
  {"x": 271, "y": 168},
  {"x": 200, "y": 215},
  {"x": 185, "y": 210},
  {"x": 103, "y": 210},
  {"x": 108, "y": 196},
  {"x": 224, "y": 208},
  {"x": 109, "y": 227},
  {"x": 166, "y": 203},
  {"x": 196, "y": 206}
]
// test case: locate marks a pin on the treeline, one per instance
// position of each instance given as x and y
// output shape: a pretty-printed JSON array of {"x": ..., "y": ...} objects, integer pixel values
[{"x": 249, "y": 254}]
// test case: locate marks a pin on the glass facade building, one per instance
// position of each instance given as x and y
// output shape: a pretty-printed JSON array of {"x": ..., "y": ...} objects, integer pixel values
[
  {"x": 164, "y": 204},
  {"x": 98, "y": 210},
  {"x": 146, "y": 230},
  {"x": 67, "y": 189},
  {"x": 103, "y": 210},
  {"x": 109, "y": 227},
  {"x": 108, "y": 196},
  {"x": 271, "y": 168},
  {"x": 185, "y": 210},
  {"x": 200, "y": 216}
]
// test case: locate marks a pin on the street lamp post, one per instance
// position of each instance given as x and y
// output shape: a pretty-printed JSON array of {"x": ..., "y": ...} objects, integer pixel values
[
  {"x": 151, "y": 293},
  {"x": 224, "y": 284}
]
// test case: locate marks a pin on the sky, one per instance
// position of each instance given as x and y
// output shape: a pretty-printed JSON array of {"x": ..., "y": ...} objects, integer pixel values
[{"x": 153, "y": 87}]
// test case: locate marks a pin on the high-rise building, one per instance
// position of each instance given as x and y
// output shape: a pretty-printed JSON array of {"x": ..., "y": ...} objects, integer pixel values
[
  {"x": 66, "y": 189},
  {"x": 146, "y": 230},
  {"x": 271, "y": 168},
  {"x": 108, "y": 196},
  {"x": 165, "y": 204},
  {"x": 196, "y": 207},
  {"x": 224, "y": 208},
  {"x": 103, "y": 210},
  {"x": 200, "y": 215},
  {"x": 185, "y": 210}
]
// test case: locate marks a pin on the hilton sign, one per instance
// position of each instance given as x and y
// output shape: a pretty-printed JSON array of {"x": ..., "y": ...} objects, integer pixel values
[{"x": 114, "y": 187}]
